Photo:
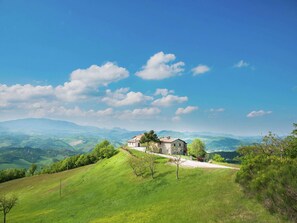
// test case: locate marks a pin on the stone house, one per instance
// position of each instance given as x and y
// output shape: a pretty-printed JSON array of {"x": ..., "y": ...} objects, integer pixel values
[{"x": 167, "y": 145}]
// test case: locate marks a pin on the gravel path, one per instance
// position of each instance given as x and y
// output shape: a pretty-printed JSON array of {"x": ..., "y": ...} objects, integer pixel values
[{"x": 189, "y": 163}]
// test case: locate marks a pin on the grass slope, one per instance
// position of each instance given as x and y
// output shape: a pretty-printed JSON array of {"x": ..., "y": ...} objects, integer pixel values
[{"x": 109, "y": 192}]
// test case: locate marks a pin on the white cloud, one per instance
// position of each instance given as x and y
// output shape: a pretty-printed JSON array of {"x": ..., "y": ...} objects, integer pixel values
[
  {"x": 84, "y": 82},
  {"x": 169, "y": 100},
  {"x": 241, "y": 64},
  {"x": 254, "y": 114},
  {"x": 217, "y": 110},
  {"x": 23, "y": 93},
  {"x": 160, "y": 66},
  {"x": 163, "y": 91},
  {"x": 200, "y": 69},
  {"x": 186, "y": 110},
  {"x": 122, "y": 97},
  {"x": 139, "y": 113}
]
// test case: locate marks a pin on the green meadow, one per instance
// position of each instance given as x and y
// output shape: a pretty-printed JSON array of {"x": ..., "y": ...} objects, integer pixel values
[{"x": 108, "y": 191}]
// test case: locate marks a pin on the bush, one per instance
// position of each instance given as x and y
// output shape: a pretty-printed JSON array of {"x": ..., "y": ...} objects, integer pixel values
[
  {"x": 218, "y": 158},
  {"x": 268, "y": 172}
]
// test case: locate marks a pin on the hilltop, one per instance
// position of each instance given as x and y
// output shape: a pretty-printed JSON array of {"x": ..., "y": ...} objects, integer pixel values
[{"x": 109, "y": 192}]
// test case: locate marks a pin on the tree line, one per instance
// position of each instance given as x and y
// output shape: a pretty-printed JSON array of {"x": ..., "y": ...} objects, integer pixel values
[{"x": 269, "y": 173}]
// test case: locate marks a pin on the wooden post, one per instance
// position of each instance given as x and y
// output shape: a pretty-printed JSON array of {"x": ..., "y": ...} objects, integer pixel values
[{"x": 60, "y": 188}]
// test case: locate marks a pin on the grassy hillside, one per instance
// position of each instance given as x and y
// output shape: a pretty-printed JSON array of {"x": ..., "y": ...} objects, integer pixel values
[{"x": 109, "y": 192}]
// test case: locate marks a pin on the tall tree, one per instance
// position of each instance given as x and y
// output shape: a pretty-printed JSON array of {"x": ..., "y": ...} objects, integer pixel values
[
  {"x": 6, "y": 204},
  {"x": 148, "y": 137},
  {"x": 32, "y": 169},
  {"x": 197, "y": 149}
]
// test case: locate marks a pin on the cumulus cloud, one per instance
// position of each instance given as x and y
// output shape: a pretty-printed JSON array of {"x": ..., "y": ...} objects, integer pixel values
[
  {"x": 241, "y": 64},
  {"x": 186, "y": 110},
  {"x": 84, "y": 82},
  {"x": 123, "y": 97},
  {"x": 23, "y": 93},
  {"x": 163, "y": 91},
  {"x": 140, "y": 113},
  {"x": 259, "y": 113},
  {"x": 200, "y": 69},
  {"x": 169, "y": 100},
  {"x": 160, "y": 66}
]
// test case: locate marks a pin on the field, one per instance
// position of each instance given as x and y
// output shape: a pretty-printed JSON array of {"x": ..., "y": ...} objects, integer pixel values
[{"x": 109, "y": 192}]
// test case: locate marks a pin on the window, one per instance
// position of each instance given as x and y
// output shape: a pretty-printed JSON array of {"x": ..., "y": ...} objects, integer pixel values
[
  {"x": 180, "y": 144},
  {"x": 173, "y": 144}
]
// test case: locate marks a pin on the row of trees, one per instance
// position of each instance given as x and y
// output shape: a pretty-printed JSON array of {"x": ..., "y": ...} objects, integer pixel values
[
  {"x": 15, "y": 173},
  {"x": 269, "y": 172},
  {"x": 101, "y": 151},
  {"x": 11, "y": 174}
]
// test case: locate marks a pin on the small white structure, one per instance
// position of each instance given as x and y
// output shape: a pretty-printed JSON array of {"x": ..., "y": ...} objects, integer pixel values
[
  {"x": 167, "y": 145},
  {"x": 135, "y": 141}
]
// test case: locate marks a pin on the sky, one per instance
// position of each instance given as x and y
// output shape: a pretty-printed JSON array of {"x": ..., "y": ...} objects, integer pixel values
[{"x": 207, "y": 66}]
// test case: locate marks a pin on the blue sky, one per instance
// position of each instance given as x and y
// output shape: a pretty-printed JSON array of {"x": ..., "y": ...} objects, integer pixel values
[{"x": 223, "y": 66}]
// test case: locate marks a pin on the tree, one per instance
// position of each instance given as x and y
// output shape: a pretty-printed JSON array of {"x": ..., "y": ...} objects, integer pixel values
[
  {"x": 218, "y": 158},
  {"x": 152, "y": 147},
  {"x": 177, "y": 161},
  {"x": 148, "y": 137},
  {"x": 32, "y": 169},
  {"x": 150, "y": 161},
  {"x": 197, "y": 149},
  {"x": 6, "y": 204},
  {"x": 103, "y": 150},
  {"x": 138, "y": 165}
]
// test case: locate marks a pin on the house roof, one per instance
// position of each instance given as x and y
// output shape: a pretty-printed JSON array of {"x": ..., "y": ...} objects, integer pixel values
[
  {"x": 168, "y": 139},
  {"x": 135, "y": 138}
]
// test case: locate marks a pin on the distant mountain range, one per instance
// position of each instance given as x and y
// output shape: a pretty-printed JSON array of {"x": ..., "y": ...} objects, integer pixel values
[
  {"x": 69, "y": 138},
  {"x": 56, "y": 134}
]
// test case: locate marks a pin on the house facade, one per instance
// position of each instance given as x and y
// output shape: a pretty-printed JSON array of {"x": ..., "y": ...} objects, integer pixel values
[
  {"x": 172, "y": 146},
  {"x": 167, "y": 145},
  {"x": 135, "y": 141}
]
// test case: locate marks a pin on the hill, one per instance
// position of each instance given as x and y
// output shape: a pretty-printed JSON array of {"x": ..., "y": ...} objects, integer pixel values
[{"x": 109, "y": 192}]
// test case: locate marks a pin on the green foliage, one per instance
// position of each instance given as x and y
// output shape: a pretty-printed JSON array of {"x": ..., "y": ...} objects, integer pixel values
[
  {"x": 152, "y": 147},
  {"x": 104, "y": 150},
  {"x": 11, "y": 174},
  {"x": 197, "y": 148},
  {"x": 6, "y": 204},
  {"x": 150, "y": 136},
  {"x": 268, "y": 172},
  {"x": 218, "y": 158},
  {"x": 101, "y": 151},
  {"x": 32, "y": 169}
]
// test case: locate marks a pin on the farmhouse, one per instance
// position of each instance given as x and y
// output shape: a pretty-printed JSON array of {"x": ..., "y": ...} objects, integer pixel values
[
  {"x": 167, "y": 145},
  {"x": 135, "y": 141}
]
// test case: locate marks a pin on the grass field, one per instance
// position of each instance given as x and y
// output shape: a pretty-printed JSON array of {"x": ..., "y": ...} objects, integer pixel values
[{"x": 109, "y": 192}]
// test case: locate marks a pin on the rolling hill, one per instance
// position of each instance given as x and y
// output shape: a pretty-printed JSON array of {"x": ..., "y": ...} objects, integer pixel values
[{"x": 109, "y": 192}]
